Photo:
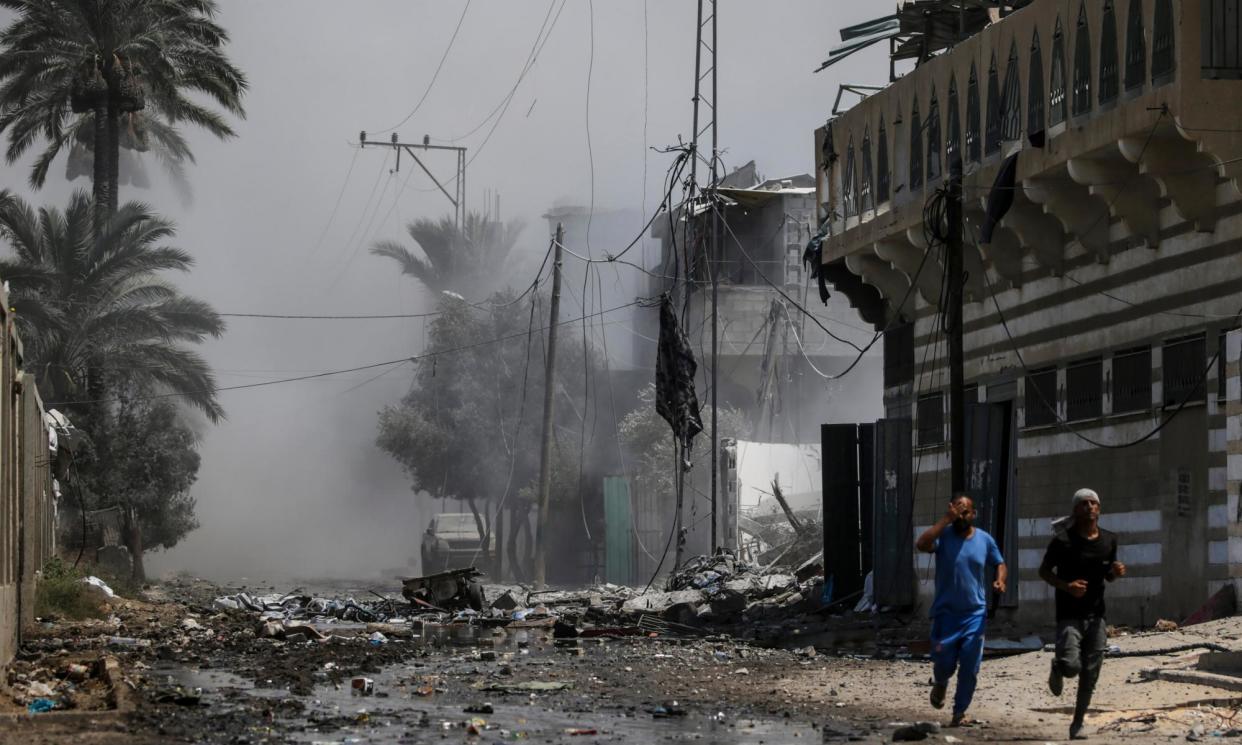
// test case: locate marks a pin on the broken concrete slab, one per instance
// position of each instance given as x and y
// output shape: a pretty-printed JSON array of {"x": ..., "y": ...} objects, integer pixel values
[{"x": 659, "y": 602}]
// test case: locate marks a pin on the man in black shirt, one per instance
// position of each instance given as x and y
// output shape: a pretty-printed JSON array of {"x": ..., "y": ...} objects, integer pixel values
[{"x": 1080, "y": 559}]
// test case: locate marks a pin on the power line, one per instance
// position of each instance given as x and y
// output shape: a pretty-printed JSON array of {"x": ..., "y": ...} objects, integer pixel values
[
  {"x": 770, "y": 283},
  {"x": 360, "y": 368},
  {"x": 435, "y": 76},
  {"x": 339, "y": 197},
  {"x": 530, "y": 58}
]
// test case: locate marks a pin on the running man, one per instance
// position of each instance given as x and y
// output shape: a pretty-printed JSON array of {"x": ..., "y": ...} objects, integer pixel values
[
  {"x": 959, "y": 611},
  {"x": 1080, "y": 559}
]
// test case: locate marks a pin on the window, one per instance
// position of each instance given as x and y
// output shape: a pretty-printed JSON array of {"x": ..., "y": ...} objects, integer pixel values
[
  {"x": 931, "y": 420},
  {"x": 934, "y": 170},
  {"x": 1132, "y": 381},
  {"x": 1184, "y": 363},
  {"x": 881, "y": 188},
  {"x": 1041, "y": 397},
  {"x": 847, "y": 183},
  {"x": 899, "y": 355},
  {"x": 1222, "y": 379},
  {"x": 1108, "y": 55},
  {"x": 953, "y": 148},
  {"x": 1221, "y": 47},
  {"x": 1082, "y": 64},
  {"x": 973, "y": 143},
  {"x": 1163, "y": 62},
  {"x": 916, "y": 147},
  {"x": 1136, "y": 48},
  {"x": 864, "y": 188},
  {"x": 1084, "y": 389},
  {"x": 991, "y": 142},
  {"x": 1011, "y": 118},
  {"x": 1057, "y": 92},
  {"x": 1035, "y": 92}
]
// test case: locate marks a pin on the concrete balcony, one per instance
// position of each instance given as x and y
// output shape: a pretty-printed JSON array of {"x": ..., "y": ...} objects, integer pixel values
[{"x": 1136, "y": 104}]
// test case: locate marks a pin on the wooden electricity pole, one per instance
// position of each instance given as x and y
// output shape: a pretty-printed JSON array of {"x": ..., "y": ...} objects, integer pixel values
[{"x": 545, "y": 451}]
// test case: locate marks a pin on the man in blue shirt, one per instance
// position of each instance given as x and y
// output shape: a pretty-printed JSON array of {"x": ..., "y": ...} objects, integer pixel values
[{"x": 960, "y": 609}]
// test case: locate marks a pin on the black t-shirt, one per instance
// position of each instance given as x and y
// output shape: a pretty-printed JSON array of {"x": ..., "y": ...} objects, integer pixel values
[{"x": 1073, "y": 557}]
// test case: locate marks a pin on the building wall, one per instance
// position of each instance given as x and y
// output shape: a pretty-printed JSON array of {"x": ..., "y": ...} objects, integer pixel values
[
  {"x": 1125, "y": 231},
  {"x": 27, "y": 502}
]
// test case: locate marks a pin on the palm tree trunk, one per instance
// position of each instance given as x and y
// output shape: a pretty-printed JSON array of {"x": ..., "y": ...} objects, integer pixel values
[
  {"x": 100, "y": 175},
  {"x": 114, "y": 158},
  {"x": 133, "y": 541}
]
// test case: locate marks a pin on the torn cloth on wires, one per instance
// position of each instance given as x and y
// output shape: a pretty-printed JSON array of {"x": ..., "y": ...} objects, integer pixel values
[
  {"x": 676, "y": 400},
  {"x": 1001, "y": 198},
  {"x": 813, "y": 260}
]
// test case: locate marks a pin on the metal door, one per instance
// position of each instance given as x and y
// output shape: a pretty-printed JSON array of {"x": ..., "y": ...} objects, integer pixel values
[
  {"x": 894, "y": 515},
  {"x": 847, "y": 496},
  {"x": 989, "y": 465}
]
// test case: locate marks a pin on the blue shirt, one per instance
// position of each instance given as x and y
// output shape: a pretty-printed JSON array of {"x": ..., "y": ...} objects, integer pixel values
[{"x": 961, "y": 588}]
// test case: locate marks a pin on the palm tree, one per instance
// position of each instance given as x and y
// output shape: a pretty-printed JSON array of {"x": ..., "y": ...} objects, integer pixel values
[
  {"x": 93, "y": 307},
  {"x": 70, "y": 64},
  {"x": 465, "y": 260}
]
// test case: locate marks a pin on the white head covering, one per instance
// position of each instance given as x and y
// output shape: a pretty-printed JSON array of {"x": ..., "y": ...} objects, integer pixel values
[
  {"x": 1085, "y": 495},
  {"x": 1062, "y": 524}
]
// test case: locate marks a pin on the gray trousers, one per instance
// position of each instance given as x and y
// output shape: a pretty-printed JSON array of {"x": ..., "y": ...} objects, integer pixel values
[{"x": 1081, "y": 644}]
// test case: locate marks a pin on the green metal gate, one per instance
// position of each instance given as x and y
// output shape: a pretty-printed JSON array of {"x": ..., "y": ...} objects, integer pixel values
[{"x": 619, "y": 540}]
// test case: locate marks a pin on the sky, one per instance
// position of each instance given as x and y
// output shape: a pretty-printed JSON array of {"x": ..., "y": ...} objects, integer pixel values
[{"x": 292, "y": 484}]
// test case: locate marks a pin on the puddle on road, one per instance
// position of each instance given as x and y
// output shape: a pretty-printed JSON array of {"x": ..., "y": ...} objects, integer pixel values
[{"x": 335, "y": 716}]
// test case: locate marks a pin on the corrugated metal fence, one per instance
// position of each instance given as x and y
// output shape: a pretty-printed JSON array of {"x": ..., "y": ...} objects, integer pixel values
[{"x": 27, "y": 501}]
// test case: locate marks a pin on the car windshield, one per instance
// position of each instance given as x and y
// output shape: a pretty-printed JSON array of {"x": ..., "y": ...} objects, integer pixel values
[{"x": 463, "y": 523}]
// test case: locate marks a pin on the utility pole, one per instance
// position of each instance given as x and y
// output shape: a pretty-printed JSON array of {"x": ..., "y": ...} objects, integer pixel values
[
  {"x": 545, "y": 451},
  {"x": 957, "y": 381},
  {"x": 706, "y": 39},
  {"x": 458, "y": 197}
]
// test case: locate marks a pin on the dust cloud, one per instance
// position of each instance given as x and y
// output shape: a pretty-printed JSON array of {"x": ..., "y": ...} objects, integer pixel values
[{"x": 292, "y": 484}]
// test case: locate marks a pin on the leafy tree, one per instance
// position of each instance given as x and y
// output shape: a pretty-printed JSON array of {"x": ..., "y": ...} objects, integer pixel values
[
  {"x": 468, "y": 260},
  {"x": 88, "y": 306},
  {"x": 70, "y": 64},
  {"x": 143, "y": 458},
  {"x": 470, "y": 426},
  {"x": 649, "y": 439}
]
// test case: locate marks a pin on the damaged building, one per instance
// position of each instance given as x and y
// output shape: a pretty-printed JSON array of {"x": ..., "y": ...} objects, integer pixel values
[{"x": 1096, "y": 312}]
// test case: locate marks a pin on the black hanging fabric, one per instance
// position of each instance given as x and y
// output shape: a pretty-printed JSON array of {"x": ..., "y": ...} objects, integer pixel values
[
  {"x": 828, "y": 150},
  {"x": 813, "y": 261},
  {"x": 1001, "y": 197},
  {"x": 676, "y": 400}
]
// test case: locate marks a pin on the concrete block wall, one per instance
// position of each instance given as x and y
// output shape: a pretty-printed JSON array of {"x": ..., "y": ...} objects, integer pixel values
[{"x": 1231, "y": 515}]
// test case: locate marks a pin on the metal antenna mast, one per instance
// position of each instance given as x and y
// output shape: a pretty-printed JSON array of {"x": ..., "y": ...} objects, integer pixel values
[
  {"x": 705, "y": 121},
  {"x": 458, "y": 197}
]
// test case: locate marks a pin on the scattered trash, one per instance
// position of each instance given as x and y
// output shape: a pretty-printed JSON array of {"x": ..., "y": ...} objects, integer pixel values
[
  {"x": 376, "y": 639},
  {"x": 127, "y": 641},
  {"x": 179, "y": 695},
  {"x": 41, "y": 705},
  {"x": 915, "y": 732},
  {"x": 532, "y": 686},
  {"x": 668, "y": 711},
  {"x": 99, "y": 583},
  {"x": 576, "y": 732},
  {"x": 362, "y": 686},
  {"x": 191, "y": 624},
  {"x": 484, "y": 708},
  {"x": 1166, "y": 625}
]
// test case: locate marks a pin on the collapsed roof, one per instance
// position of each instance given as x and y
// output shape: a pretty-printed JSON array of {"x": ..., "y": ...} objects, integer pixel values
[{"x": 921, "y": 28}]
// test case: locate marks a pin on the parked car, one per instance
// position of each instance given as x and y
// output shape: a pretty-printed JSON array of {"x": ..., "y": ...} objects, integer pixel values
[{"x": 452, "y": 541}]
